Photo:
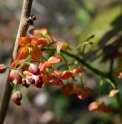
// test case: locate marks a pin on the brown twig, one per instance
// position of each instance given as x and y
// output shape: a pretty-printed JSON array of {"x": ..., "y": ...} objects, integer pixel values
[{"x": 23, "y": 27}]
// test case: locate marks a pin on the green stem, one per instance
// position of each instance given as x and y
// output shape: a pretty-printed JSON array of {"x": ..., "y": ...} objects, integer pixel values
[
  {"x": 118, "y": 97},
  {"x": 80, "y": 60},
  {"x": 65, "y": 61}
]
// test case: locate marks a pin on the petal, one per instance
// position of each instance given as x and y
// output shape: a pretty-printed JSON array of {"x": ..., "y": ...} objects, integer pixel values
[
  {"x": 42, "y": 42},
  {"x": 104, "y": 108},
  {"x": 78, "y": 70},
  {"x": 55, "y": 80},
  {"x": 23, "y": 41},
  {"x": 59, "y": 46},
  {"x": 34, "y": 40},
  {"x": 83, "y": 93},
  {"x": 37, "y": 53},
  {"x": 120, "y": 75},
  {"x": 69, "y": 89},
  {"x": 16, "y": 63},
  {"x": 54, "y": 59},
  {"x": 22, "y": 53},
  {"x": 93, "y": 106},
  {"x": 42, "y": 65},
  {"x": 66, "y": 75},
  {"x": 57, "y": 72},
  {"x": 113, "y": 92}
]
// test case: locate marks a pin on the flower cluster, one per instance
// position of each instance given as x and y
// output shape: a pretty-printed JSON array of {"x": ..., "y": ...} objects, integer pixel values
[{"x": 35, "y": 66}]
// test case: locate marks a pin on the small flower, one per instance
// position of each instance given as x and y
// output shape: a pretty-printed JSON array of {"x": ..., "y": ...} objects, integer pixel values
[
  {"x": 83, "y": 93},
  {"x": 40, "y": 32},
  {"x": 94, "y": 106},
  {"x": 120, "y": 75},
  {"x": 29, "y": 46},
  {"x": 25, "y": 83},
  {"x": 15, "y": 77},
  {"x": 17, "y": 97},
  {"x": 67, "y": 74},
  {"x": 38, "y": 81},
  {"x": 2, "y": 68}
]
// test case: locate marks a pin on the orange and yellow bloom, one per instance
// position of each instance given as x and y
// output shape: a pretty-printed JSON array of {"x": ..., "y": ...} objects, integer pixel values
[{"x": 29, "y": 46}]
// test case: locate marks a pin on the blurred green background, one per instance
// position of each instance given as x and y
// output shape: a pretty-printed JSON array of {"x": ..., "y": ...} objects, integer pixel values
[{"x": 73, "y": 21}]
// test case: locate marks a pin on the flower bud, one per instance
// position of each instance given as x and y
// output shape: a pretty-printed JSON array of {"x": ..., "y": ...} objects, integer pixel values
[
  {"x": 25, "y": 83},
  {"x": 17, "y": 97},
  {"x": 15, "y": 77},
  {"x": 38, "y": 81},
  {"x": 2, "y": 68},
  {"x": 33, "y": 69}
]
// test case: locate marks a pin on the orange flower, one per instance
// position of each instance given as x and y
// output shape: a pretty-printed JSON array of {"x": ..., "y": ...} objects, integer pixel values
[
  {"x": 29, "y": 46},
  {"x": 39, "y": 32},
  {"x": 52, "y": 60},
  {"x": 94, "y": 106},
  {"x": 67, "y": 74},
  {"x": 44, "y": 35},
  {"x": 83, "y": 93}
]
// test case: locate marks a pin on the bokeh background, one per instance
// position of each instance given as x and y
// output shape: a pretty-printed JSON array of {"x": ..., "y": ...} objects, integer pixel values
[{"x": 72, "y": 21}]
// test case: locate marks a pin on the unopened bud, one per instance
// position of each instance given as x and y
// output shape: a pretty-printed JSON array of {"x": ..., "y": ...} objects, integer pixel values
[
  {"x": 38, "y": 81},
  {"x": 2, "y": 68},
  {"x": 33, "y": 69},
  {"x": 15, "y": 77},
  {"x": 25, "y": 83},
  {"x": 17, "y": 97}
]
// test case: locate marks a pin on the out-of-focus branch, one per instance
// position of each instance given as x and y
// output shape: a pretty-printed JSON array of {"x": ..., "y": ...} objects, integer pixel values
[{"x": 23, "y": 27}]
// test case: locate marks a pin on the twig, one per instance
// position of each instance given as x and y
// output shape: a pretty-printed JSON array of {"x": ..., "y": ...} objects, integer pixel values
[{"x": 23, "y": 27}]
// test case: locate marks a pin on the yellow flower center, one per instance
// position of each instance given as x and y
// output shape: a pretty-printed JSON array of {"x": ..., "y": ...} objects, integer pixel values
[{"x": 30, "y": 47}]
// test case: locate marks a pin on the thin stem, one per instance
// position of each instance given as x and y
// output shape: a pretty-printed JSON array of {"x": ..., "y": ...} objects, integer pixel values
[
  {"x": 118, "y": 97},
  {"x": 23, "y": 27},
  {"x": 80, "y": 60},
  {"x": 65, "y": 61}
]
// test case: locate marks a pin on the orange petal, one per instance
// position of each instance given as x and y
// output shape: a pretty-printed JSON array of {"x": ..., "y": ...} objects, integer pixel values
[
  {"x": 37, "y": 53},
  {"x": 104, "y": 108},
  {"x": 93, "y": 106},
  {"x": 83, "y": 93},
  {"x": 54, "y": 59},
  {"x": 113, "y": 92},
  {"x": 34, "y": 40},
  {"x": 42, "y": 42},
  {"x": 55, "y": 80},
  {"x": 42, "y": 65},
  {"x": 69, "y": 89},
  {"x": 78, "y": 70},
  {"x": 22, "y": 53},
  {"x": 66, "y": 75},
  {"x": 16, "y": 63},
  {"x": 56, "y": 72},
  {"x": 23, "y": 41}
]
